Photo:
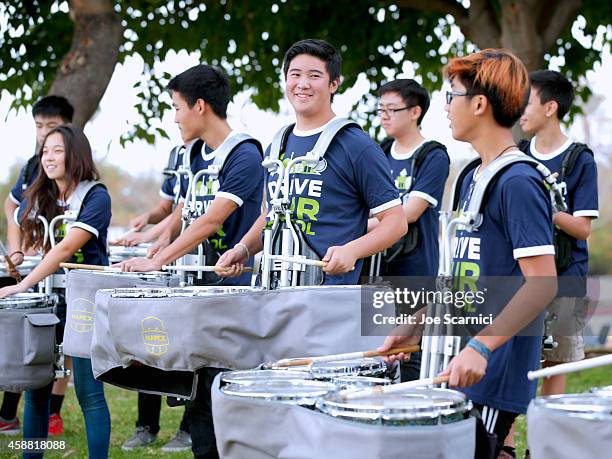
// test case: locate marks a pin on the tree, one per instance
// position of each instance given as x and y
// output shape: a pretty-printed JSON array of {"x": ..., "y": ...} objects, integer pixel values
[{"x": 72, "y": 48}]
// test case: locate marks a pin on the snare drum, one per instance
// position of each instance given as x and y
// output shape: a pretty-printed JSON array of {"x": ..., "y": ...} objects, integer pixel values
[
  {"x": 292, "y": 392},
  {"x": 417, "y": 407},
  {"x": 25, "y": 268},
  {"x": 26, "y": 301},
  {"x": 360, "y": 382},
  {"x": 262, "y": 376},
  {"x": 328, "y": 371},
  {"x": 570, "y": 426},
  {"x": 119, "y": 253}
]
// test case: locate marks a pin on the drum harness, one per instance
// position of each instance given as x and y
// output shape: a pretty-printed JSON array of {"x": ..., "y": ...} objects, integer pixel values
[
  {"x": 287, "y": 259},
  {"x": 206, "y": 254},
  {"x": 440, "y": 346}
]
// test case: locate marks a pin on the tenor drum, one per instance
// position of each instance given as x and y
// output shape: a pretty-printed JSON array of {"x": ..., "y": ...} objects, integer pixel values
[
  {"x": 328, "y": 371},
  {"x": 262, "y": 376},
  {"x": 293, "y": 392},
  {"x": 80, "y": 300},
  {"x": 571, "y": 425},
  {"x": 27, "y": 331}
]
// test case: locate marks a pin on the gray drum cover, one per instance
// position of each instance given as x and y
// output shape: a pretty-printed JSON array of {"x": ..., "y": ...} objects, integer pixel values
[
  {"x": 236, "y": 331},
  {"x": 551, "y": 434},
  {"x": 80, "y": 301},
  {"x": 248, "y": 428},
  {"x": 27, "y": 340}
]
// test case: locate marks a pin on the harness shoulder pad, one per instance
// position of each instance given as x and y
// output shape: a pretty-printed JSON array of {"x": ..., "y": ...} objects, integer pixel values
[
  {"x": 523, "y": 145},
  {"x": 569, "y": 161},
  {"x": 79, "y": 195},
  {"x": 420, "y": 155},
  {"x": 192, "y": 149},
  {"x": 328, "y": 135},
  {"x": 173, "y": 158},
  {"x": 279, "y": 141},
  {"x": 228, "y": 146},
  {"x": 456, "y": 191}
]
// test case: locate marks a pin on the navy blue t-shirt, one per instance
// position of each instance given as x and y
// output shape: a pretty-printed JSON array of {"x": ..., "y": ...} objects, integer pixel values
[
  {"x": 22, "y": 184},
  {"x": 428, "y": 184},
  {"x": 517, "y": 222},
  {"x": 240, "y": 180},
  {"x": 94, "y": 217},
  {"x": 331, "y": 201},
  {"x": 580, "y": 193}
]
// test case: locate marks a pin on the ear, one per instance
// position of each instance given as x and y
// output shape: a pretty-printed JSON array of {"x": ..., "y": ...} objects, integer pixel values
[
  {"x": 480, "y": 104},
  {"x": 416, "y": 112},
  {"x": 551, "y": 108},
  {"x": 200, "y": 106},
  {"x": 334, "y": 85}
]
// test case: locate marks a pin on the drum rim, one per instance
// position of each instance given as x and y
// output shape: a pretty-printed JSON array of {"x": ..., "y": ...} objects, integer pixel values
[
  {"x": 179, "y": 292},
  {"x": 319, "y": 388},
  {"x": 361, "y": 367},
  {"x": 227, "y": 378},
  {"x": 583, "y": 405},
  {"x": 26, "y": 299}
]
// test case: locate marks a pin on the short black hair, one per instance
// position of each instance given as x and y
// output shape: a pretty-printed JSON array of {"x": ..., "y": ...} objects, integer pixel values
[
  {"x": 54, "y": 106},
  {"x": 211, "y": 84},
  {"x": 411, "y": 92},
  {"x": 317, "y": 48},
  {"x": 555, "y": 86}
]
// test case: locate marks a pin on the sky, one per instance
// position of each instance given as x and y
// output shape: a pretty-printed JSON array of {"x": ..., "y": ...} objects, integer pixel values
[{"x": 116, "y": 113}]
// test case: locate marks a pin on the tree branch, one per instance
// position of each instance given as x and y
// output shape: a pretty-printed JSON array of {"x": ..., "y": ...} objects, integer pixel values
[{"x": 554, "y": 18}]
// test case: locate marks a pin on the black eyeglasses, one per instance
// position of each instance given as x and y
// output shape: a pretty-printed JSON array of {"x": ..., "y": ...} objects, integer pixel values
[
  {"x": 451, "y": 94},
  {"x": 392, "y": 111}
]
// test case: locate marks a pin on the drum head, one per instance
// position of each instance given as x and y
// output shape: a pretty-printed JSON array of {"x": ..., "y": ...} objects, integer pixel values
[
  {"x": 294, "y": 392},
  {"x": 25, "y": 301},
  {"x": 360, "y": 382},
  {"x": 256, "y": 376},
  {"x": 413, "y": 407},
  {"x": 337, "y": 368},
  {"x": 593, "y": 406}
]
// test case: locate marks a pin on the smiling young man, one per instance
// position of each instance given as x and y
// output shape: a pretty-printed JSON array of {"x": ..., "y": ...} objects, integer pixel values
[
  {"x": 489, "y": 91},
  {"x": 228, "y": 204},
  {"x": 351, "y": 180}
]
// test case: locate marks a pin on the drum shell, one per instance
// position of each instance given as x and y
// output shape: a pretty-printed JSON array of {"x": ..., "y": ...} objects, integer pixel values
[
  {"x": 80, "y": 301},
  {"x": 27, "y": 338},
  {"x": 248, "y": 427},
  {"x": 584, "y": 432}
]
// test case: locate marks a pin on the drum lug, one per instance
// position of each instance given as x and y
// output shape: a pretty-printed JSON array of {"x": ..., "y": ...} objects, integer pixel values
[{"x": 61, "y": 371}]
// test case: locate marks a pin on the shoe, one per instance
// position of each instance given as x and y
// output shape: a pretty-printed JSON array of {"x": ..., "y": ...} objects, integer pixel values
[
  {"x": 56, "y": 425},
  {"x": 141, "y": 438},
  {"x": 9, "y": 426},
  {"x": 180, "y": 442}
]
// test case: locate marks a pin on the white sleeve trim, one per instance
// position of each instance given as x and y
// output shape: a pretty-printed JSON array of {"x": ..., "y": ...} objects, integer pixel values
[
  {"x": 86, "y": 227},
  {"x": 230, "y": 196},
  {"x": 16, "y": 217},
  {"x": 14, "y": 199},
  {"x": 165, "y": 196},
  {"x": 385, "y": 206},
  {"x": 433, "y": 202},
  {"x": 181, "y": 200},
  {"x": 533, "y": 251},
  {"x": 586, "y": 213}
]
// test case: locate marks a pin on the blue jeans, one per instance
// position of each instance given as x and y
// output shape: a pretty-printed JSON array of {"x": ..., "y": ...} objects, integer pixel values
[{"x": 90, "y": 394}]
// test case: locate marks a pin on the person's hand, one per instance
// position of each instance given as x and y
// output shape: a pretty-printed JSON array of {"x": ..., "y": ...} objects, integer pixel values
[
  {"x": 403, "y": 335},
  {"x": 158, "y": 246},
  {"x": 12, "y": 290},
  {"x": 339, "y": 259},
  {"x": 233, "y": 261},
  {"x": 142, "y": 265},
  {"x": 17, "y": 259},
  {"x": 466, "y": 369},
  {"x": 131, "y": 239},
  {"x": 139, "y": 222}
]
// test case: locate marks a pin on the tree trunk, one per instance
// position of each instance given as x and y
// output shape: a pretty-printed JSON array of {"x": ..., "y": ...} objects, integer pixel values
[{"x": 86, "y": 70}]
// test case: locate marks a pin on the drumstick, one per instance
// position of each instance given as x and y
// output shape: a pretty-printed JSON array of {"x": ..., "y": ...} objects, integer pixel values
[
  {"x": 89, "y": 267},
  {"x": 347, "y": 356},
  {"x": 303, "y": 261},
  {"x": 206, "y": 269},
  {"x": 394, "y": 388},
  {"x": 571, "y": 367},
  {"x": 9, "y": 262}
]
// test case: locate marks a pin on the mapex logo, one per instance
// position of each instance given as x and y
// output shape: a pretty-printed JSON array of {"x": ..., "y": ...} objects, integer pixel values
[
  {"x": 155, "y": 337},
  {"x": 82, "y": 313}
]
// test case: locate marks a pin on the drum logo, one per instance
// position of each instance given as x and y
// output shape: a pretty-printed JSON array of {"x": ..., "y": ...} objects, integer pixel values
[
  {"x": 155, "y": 337},
  {"x": 82, "y": 314}
]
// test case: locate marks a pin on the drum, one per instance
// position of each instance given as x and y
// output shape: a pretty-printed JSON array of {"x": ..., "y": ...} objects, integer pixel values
[
  {"x": 262, "y": 376},
  {"x": 25, "y": 268},
  {"x": 328, "y": 371},
  {"x": 80, "y": 300},
  {"x": 360, "y": 382},
  {"x": 119, "y": 253},
  {"x": 418, "y": 407},
  {"x": 293, "y": 392},
  {"x": 607, "y": 391},
  {"x": 27, "y": 328},
  {"x": 571, "y": 425}
]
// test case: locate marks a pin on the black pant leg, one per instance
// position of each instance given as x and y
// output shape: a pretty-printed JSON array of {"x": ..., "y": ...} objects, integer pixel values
[{"x": 149, "y": 410}]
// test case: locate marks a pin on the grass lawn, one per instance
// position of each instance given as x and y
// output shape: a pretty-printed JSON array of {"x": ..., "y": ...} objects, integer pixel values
[{"x": 123, "y": 413}]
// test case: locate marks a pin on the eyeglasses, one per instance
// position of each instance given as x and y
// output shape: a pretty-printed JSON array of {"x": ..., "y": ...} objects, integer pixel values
[
  {"x": 392, "y": 111},
  {"x": 451, "y": 94}
]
